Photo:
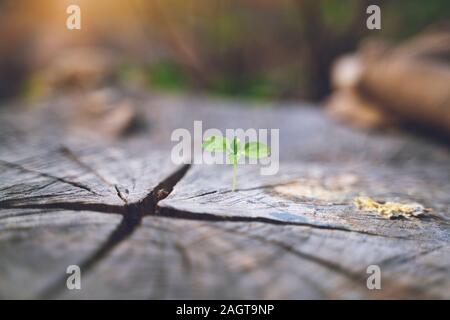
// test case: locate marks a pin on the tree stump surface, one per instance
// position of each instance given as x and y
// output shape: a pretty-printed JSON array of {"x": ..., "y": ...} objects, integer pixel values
[{"x": 139, "y": 226}]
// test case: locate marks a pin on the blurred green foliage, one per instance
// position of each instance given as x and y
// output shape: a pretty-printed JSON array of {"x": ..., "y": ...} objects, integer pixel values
[
  {"x": 258, "y": 49},
  {"x": 406, "y": 18},
  {"x": 166, "y": 75},
  {"x": 272, "y": 49}
]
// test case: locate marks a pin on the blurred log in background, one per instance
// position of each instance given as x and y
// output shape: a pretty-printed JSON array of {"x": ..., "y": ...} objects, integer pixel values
[{"x": 382, "y": 85}]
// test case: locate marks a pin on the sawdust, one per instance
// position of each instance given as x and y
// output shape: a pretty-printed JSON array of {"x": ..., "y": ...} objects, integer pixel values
[{"x": 391, "y": 210}]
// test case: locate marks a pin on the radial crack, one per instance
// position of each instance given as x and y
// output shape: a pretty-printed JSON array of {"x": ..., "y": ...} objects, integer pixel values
[
  {"x": 46, "y": 175},
  {"x": 132, "y": 217},
  {"x": 171, "y": 212},
  {"x": 76, "y": 159},
  {"x": 129, "y": 223},
  {"x": 74, "y": 206},
  {"x": 120, "y": 194}
]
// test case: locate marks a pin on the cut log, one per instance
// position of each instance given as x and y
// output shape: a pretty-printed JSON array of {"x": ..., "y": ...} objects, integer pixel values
[
  {"x": 142, "y": 227},
  {"x": 406, "y": 84}
]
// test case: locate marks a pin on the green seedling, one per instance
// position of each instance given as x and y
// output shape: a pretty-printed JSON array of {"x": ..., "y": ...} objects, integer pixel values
[{"x": 235, "y": 150}]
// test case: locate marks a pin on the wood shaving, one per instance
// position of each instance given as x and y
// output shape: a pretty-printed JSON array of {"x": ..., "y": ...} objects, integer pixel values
[{"x": 391, "y": 210}]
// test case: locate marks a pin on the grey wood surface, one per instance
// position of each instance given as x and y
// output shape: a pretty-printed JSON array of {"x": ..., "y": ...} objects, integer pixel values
[{"x": 73, "y": 191}]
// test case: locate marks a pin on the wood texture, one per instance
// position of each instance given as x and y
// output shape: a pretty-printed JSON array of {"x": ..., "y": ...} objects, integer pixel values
[{"x": 141, "y": 227}]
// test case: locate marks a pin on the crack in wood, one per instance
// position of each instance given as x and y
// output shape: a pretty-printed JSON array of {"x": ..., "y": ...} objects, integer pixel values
[
  {"x": 120, "y": 195},
  {"x": 46, "y": 175},
  {"x": 264, "y": 186},
  {"x": 128, "y": 224},
  {"x": 132, "y": 215},
  {"x": 68, "y": 153},
  {"x": 355, "y": 277},
  {"x": 29, "y": 190},
  {"x": 400, "y": 259},
  {"x": 26, "y": 213},
  {"x": 169, "y": 212},
  {"x": 73, "y": 206},
  {"x": 358, "y": 278},
  {"x": 200, "y": 195},
  {"x": 107, "y": 170}
]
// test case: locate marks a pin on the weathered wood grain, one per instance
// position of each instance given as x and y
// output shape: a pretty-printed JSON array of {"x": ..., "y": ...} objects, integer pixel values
[
  {"x": 316, "y": 195},
  {"x": 142, "y": 227},
  {"x": 37, "y": 246},
  {"x": 167, "y": 258}
]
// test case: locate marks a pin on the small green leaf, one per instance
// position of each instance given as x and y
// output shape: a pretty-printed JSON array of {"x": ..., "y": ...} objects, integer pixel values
[
  {"x": 236, "y": 146},
  {"x": 256, "y": 150},
  {"x": 216, "y": 144}
]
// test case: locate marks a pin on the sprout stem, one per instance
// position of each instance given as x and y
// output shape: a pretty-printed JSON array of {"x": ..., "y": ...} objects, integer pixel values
[{"x": 233, "y": 188}]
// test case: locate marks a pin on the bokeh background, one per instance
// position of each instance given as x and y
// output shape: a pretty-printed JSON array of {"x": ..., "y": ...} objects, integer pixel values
[{"x": 253, "y": 49}]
